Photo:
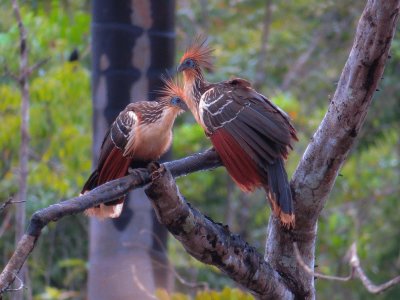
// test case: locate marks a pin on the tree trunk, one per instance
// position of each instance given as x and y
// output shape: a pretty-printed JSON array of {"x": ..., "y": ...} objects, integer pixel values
[{"x": 133, "y": 43}]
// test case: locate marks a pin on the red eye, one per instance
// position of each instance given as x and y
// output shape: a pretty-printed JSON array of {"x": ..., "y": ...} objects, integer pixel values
[{"x": 190, "y": 63}]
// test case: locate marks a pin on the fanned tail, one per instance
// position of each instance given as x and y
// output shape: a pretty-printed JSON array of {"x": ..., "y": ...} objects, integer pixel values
[{"x": 279, "y": 194}]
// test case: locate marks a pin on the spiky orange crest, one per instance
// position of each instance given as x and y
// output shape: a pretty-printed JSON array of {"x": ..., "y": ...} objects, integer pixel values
[
  {"x": 171, "y": 88},
  {"x": 200, "y": 52}
]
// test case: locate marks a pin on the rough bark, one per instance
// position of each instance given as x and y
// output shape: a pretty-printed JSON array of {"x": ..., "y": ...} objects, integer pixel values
[{"x": 317, "y": 171}]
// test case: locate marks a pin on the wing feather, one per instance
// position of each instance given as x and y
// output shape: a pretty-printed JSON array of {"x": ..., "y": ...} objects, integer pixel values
[
  {"x": 122, "y": 130},
  {"x": 112, "y": 163},
  {"x": 260, "y": 127},
  {"x": 237, "y": 161}
]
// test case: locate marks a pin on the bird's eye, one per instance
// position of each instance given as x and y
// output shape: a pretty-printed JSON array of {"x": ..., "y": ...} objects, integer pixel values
[
  {"x": 176, "y": 100},
  {"x": 189, "y": 63}
]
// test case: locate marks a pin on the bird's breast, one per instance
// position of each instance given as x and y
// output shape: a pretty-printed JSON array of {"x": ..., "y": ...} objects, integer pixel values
[{"x": 152, "y": 140}]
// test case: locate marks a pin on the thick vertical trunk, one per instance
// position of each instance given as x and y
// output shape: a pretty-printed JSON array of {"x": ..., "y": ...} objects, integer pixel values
[{"x": 133, "y": 43}]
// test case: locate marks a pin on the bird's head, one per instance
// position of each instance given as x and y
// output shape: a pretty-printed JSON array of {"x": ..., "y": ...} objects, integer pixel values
[
  {"x": 187, "y": 64},
  {"x": 198, "y": 56},
  {"x": 178, "y": 103},
  {"x": 173, "y": 96}
]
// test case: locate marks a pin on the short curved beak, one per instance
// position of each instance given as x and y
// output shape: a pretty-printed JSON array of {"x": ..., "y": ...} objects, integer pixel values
[{"x": 183, "y": 106}]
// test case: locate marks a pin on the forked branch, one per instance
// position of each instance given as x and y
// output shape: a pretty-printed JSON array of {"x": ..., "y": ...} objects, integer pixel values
[{"x": 356, "y": 271}]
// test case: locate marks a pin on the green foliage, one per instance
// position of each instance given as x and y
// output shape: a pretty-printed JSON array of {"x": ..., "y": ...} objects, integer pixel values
[
  {"x": 60, "y": 137},
  {"x": 224, "y": 294}
]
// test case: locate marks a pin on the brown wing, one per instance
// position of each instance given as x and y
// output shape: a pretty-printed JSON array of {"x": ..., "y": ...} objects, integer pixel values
[
  {"x": 112, "y": 163},
  {"x": 259, "y": 126}
]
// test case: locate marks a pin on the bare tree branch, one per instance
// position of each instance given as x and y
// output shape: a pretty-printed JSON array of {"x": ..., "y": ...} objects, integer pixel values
[
  {"x": 140, "y": 285},
  {"x": 356, "y": 270},
  {"x": 24, "y": 147},
  {"x": 316, "y": 274},
  {"x": 104, "y": 193},
  {"x": 371, "y": 287},
  {"x": 210, "y": 242},
  {"x": 8, "y": 202},
  {"x": 20, "y": 287}
]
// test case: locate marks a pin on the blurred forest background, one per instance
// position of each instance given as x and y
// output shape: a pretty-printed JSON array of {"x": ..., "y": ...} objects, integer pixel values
[{"x": 293, "y": 51}]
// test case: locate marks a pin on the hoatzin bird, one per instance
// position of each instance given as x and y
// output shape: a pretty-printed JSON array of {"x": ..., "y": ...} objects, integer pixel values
[
  {"x": 251, "y": 135},
  {"x": 141, "y": 133}
]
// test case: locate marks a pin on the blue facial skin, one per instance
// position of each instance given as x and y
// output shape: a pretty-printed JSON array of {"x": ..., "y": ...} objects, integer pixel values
[
  {"x": 179, "y": 103},
  {"x": 187, "y": 64}
]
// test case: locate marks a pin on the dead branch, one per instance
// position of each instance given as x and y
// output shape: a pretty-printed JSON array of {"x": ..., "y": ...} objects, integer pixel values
[
  {"x": 104, "y": 193},
  {"x": 356, "y": 270},
  {"x": 210, "y": 242},
  {"x": 140, "y": 285},
  {"x": 20, "y": 287},
  {"x": 371, "y": 287}
]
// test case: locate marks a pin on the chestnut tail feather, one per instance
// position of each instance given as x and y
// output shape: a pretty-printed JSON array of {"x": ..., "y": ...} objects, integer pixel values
[{"x": 238, "y": 163}]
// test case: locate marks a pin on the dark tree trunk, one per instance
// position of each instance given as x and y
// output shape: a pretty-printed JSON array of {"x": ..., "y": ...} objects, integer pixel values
[{"x": 133, "y": 44}]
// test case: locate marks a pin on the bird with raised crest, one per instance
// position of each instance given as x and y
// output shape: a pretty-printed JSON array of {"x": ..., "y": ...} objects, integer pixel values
[
  {"x": 141, "y": 133},
  {"x": 252, "y": 135}
]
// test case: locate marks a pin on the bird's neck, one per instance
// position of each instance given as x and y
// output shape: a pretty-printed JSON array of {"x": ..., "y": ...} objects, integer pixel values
[{"x": 195, "y": 86}]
